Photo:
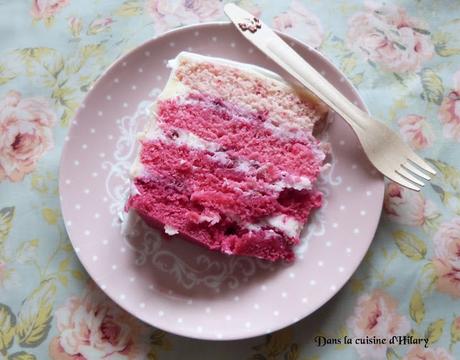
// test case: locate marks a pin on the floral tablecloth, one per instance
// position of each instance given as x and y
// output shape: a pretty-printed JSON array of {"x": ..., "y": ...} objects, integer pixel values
[{"x": 403, "y": 57}]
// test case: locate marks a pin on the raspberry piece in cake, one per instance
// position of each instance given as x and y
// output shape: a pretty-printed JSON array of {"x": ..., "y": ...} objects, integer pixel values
[{"x": 228, "y": 159}]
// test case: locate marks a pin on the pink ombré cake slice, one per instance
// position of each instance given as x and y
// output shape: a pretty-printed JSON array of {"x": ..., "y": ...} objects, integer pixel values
[{"x": 228, "y": 159}]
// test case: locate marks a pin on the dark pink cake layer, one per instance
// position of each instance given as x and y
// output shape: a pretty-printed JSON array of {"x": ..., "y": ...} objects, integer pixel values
[{"x": 182, "y": 196}]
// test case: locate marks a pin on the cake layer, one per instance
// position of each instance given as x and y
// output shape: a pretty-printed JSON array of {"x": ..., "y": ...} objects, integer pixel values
[{"x": 231, "y": 170}]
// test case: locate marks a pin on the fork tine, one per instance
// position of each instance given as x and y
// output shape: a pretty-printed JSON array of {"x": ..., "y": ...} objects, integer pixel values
[
  {"x": 421, "y": 163},
  {"x": 405, "y": 173},
  {"x": 402, "y": 181},
  {"x": 416, "y": 171}
]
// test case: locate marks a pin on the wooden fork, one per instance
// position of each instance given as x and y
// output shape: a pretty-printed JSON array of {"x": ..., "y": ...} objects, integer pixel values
[{"x": 384, "y": 148}]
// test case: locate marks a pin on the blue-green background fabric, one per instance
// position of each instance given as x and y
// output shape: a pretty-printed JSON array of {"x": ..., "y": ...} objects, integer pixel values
[{"x": 404, "y": 59}]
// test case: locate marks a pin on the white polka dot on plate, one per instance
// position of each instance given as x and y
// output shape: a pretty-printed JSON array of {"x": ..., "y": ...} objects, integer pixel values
[
  {"x": 312, "y": 282},
  {"x": 228, "y": 317},
  {"x": 161, "y": 313},
  {"x": 276, "y": 313},
  {"x": 256, "y": 306},
  {"x": 142, "y": 305},
  {"x": 100, "y": 113},
  {"x": 355, "y": 231},
  {"x": 95, "y": 258}
]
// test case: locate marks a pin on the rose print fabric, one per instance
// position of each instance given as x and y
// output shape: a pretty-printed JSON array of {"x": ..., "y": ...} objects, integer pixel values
[{"x": 404, "y": 59}]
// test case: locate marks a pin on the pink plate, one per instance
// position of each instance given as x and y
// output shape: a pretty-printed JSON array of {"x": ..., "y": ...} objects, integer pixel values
[{"x": 181, "y": 287}]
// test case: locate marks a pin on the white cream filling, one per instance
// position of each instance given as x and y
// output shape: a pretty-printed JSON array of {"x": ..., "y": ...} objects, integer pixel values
[
  {"x": 171, "y": 230},
  {"x": 286, "y": 224},
  {"x": 212, "y": 219}
]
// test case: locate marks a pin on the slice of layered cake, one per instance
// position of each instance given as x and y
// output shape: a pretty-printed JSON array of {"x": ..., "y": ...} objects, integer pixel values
[{"x": 228, "y": 159}]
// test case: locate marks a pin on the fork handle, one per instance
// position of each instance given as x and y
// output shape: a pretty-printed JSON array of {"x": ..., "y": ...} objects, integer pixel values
[{"x": 303, "y": 72}]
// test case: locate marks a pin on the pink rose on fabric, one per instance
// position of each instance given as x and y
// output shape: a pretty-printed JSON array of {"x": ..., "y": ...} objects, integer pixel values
[
  {"x": 386, "y": 35},
  {"x": 449, "y": 112},
  {"x": 417, "y": 352},
  {"x": 416, "y": 131},
  {"x": 407, "y": 207},
  {"x": 43, "y": 9},
  {"x": 99, "y": 25},
  {"x": 376, "y": 314},
  {"x": 447, "y": 258},
  {"x": 93, "y": 327},
  {"x": 299, "y": 22},
  {"x": 170, "y": 14},
  {"x": 25, "y": 134}
]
